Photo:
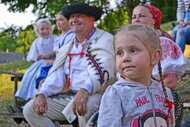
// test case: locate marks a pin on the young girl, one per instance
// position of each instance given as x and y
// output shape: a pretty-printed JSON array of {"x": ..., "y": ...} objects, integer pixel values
[
  {"x": 44, "y": 44},
  {"x": 136, "y": 100}
]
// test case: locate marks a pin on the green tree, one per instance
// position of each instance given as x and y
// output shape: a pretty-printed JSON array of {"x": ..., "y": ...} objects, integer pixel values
[
  {"x": 25, "y": 40},
  {"x": 8, "y": 38},
  {"x": 114, "y": 20},
  {"x": 111, "y": 20},
  {"x": 7, "y": 43},
  {"x": 50, "y": 7},
  {"x": 168, "y": 7}
]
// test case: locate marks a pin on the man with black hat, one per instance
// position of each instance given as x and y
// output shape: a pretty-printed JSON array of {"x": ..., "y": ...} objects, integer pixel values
[{"x": 87, "y": 63}]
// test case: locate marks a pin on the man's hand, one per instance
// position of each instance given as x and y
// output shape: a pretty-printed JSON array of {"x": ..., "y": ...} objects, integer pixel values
[
  {"x": 80, "y": 101},
  {"x": 40, "y": 105}
]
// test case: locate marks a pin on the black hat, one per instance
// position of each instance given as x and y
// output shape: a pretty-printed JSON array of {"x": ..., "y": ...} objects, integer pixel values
[{"x": 81, "y": 8}]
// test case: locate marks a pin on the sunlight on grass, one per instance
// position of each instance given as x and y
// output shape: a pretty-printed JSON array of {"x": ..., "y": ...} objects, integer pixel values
[{"x": 6, "y": 85}]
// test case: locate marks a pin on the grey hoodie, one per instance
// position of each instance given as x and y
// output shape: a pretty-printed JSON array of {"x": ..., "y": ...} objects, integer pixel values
[{"x": 131, "y": 104}]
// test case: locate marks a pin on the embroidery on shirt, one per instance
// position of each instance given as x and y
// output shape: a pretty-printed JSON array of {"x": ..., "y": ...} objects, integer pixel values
[
  {"x": 95, "y": 62},
  {"x": 169, "y": 49}
]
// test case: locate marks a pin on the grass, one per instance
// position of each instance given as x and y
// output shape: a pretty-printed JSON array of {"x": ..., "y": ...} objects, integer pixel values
[
  {"x": 7, "y": 89},
  {"x": 167, "y": 26},
  {"x": 6, "y": 86}
]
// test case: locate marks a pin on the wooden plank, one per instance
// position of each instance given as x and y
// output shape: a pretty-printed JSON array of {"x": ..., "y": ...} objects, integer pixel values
[
  {"x": 13, "y": 78},
  {"x": 13, "y": 73}
]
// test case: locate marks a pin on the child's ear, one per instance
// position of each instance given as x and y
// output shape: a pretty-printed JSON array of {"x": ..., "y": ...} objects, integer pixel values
[{"x": 156, "y": 56}]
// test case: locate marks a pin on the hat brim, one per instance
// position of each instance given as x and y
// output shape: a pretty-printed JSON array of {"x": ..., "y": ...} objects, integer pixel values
[{"x": 81, "y": 8}]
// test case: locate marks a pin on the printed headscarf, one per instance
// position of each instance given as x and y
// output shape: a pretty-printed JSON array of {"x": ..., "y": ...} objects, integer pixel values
[{"x": 157, "y": 15}]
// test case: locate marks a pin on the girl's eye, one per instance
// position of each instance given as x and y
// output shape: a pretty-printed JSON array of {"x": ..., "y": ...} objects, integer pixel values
[
  {"x": 133, "y": 50},
  {"x": 119, "y": 53}
]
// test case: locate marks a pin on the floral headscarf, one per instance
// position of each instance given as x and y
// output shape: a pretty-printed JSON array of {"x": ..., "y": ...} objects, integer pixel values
[{"x": 157, "y": 15}]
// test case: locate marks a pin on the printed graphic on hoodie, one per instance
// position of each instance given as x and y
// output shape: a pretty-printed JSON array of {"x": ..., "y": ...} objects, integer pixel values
[{"x": 150, "y": 118}]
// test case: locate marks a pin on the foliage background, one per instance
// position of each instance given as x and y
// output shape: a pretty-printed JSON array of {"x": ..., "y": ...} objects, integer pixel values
[{"x": 16, "y": 39}]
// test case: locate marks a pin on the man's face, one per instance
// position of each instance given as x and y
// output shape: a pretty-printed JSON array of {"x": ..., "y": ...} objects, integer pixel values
[{"x": 81, "y": 23}]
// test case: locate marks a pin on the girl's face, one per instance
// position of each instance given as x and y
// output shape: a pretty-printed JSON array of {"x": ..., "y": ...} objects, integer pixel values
[
  {"x": 62, "y": 22},
  {"x": 132, "y": 58},
  {"x": 44, "y": 30},
  {"x": 142, "y": 15}
]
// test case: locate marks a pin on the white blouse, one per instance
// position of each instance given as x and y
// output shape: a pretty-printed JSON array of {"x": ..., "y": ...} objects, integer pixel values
[
  {"x": 173, "y": 61},
  {"x": 41, "y": 46}
]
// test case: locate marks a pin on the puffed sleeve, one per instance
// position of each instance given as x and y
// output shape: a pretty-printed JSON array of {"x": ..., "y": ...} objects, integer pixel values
[
  {"x": 33, "y": 52},
  {"x": 110, "y": 112},
  {"x": 173, "y": 61}
]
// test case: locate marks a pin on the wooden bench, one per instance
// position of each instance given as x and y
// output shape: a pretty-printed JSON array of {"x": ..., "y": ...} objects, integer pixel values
[
  {"x": 18, "y": 117},
  {"x": 16, "y": 77}
]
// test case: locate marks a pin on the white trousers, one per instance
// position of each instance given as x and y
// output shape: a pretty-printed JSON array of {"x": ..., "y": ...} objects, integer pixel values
[{"x": 54, "y": 113}]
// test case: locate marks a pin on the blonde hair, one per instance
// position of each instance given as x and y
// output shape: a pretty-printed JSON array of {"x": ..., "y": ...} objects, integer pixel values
[
  {"x": 150, "y": 39},
  {"x": 147, "y": 35}
]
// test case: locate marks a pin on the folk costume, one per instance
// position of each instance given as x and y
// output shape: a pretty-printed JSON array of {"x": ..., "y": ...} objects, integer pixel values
[
  {"x": 96, "y": 65},
  {"x": 89, "y": 65}
]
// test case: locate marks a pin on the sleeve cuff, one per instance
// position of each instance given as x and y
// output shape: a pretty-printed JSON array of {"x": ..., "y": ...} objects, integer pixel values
[
  {"x": 41, "y": 92},
  {"x": 88, "y": 88},
  {"x": 170, "y": 75}
]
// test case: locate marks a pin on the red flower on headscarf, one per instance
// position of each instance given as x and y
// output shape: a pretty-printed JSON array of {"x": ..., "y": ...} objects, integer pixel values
[{"x": 157, "y": 15}]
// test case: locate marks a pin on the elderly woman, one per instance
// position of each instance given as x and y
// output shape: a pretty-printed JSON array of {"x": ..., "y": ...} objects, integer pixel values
[{"x": 173, "y": 61}]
